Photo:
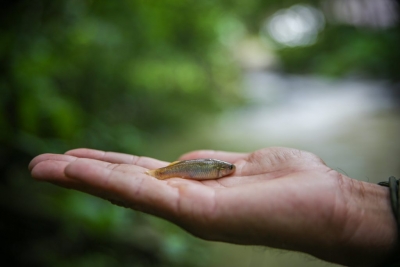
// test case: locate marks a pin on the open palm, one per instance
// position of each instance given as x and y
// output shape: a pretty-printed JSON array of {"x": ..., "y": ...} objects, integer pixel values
[{"x": 279, "y": 197}]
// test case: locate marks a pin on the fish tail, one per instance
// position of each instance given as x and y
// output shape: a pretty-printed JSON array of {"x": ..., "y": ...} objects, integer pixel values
[
  {"x": 154, "y": 174},
  {"x": 151, "y": 173}
]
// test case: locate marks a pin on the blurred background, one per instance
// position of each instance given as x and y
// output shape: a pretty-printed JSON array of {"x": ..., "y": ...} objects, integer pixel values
[{"x": 161, "y": 78}]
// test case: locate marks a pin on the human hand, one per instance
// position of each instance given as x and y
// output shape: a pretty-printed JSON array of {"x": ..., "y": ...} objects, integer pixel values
[{"x": 278, "y": 197}]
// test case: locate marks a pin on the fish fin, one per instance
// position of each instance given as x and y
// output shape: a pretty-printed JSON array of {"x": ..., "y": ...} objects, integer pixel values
[
  {"x": 154, "y": 174},
  {"x": 173, "y": 163},
  {"x": 151, "y": 172}
]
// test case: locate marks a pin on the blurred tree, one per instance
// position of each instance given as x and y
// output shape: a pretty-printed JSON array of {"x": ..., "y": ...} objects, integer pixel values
[{"x": 360, "y": 39}]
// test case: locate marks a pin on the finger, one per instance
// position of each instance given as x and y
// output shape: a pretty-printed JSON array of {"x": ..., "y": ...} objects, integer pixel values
[
  {"x": 139, "y": 191},
  {"x": 53, "y": 171},
  {"x": 49, "y": 156},
  {"x": 221, "y": 155},
  {"x": 126, "y": 168},
  {"x": 119, "y": 158},
  {"x": 50, "y": 167}
]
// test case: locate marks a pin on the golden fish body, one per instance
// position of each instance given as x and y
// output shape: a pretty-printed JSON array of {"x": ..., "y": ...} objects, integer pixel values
[{"x": 197, "y": 169}]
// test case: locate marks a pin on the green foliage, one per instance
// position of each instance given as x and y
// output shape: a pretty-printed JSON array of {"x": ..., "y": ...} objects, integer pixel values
[
  {"x": 82, "y": 66},
  {"x": 112, "y": 75}
]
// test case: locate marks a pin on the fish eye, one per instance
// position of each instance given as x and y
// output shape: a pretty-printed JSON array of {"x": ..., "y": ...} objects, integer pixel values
[{"x": 231, "y": 167}]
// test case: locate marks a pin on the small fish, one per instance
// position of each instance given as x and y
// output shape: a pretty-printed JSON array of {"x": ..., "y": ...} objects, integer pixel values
[{"x": 197, "y": 169}]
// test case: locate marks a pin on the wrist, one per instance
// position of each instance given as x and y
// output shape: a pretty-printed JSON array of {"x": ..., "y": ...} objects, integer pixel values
[{"x": 370, "y": 233}]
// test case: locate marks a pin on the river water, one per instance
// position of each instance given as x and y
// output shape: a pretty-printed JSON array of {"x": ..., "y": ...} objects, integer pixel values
[{"x": 353, "y": 125}]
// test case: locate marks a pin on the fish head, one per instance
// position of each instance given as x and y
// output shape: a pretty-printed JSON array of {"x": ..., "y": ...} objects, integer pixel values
[{"x": 226, "y": 169}]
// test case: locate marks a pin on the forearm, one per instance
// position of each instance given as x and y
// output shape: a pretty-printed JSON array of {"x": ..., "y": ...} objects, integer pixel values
[{"x": 370, "y": 231}]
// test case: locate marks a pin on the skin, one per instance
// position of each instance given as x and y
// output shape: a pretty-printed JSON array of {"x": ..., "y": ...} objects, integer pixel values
[{"x": 277, "y": 197}]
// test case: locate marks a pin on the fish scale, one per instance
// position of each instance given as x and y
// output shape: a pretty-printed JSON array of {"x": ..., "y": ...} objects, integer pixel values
[{"x": 198, "y": 169}]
